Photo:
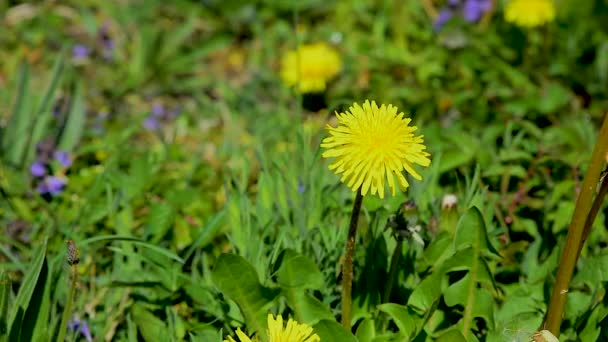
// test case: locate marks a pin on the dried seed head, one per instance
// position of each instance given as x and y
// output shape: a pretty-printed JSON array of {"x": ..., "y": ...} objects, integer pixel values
[{"x": 73, "y": 253}]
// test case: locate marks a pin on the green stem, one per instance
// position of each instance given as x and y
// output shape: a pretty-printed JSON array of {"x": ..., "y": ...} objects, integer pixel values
[
  {"x": 68, "y": 305},
  {"x": 392, "y": 270},
  {"x": 595, "y": 208},
  {"x": 391, "y": 280},
  {"x": 347, "y": 269},
  {"x": 575, "y": 233}
]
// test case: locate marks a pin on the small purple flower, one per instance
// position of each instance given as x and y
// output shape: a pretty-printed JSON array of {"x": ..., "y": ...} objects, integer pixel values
[
  {"x": 63, "y": 158},
  {"x": 301, "y": 187},
  {"x": 151, "y": 123},
  {"x": 158, "y": 110},
  {"x": 77, "y": 325},
  {"x": 474, "y": 9},
  {"x": 106, "y": 42},
  {"x": 38, "y": 169},
  {"x": 444, "y": 16},
  {"x": 51, "y": 185},
  {"x": 453, "y": 3},
  {"x": 80, "y": 51}
]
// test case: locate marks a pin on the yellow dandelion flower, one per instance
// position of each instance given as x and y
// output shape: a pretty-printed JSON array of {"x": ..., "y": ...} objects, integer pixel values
[
  {"x": 242, "y": 337},
  {"x": 293, "y": 332},
  {"x": 310, "y": 67},
  {"x": 372, "y": 144},
  {"x": 530, "y": 13}
]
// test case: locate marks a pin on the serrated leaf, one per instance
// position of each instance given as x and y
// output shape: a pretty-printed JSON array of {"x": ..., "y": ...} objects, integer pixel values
[
  {"x": 471, "y": 243},
  {"x": 466, "y": 294},
  {"x": 426, "y": 293},
  {"x": 366, "y": 331},
  {"x": 237, "y": 279},
  {"x": 150, "y": 327},
  {"x": 405, "y": 318},
  {"x": 159, "y": 221}
]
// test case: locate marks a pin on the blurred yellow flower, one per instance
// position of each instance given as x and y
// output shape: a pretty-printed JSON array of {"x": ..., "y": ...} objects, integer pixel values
[
  {"x": 530, "y": 13},
  {"x": 293, "y": 332},
  {"x": 310, "y": 67},
  {"x": 373, "y": 144}
]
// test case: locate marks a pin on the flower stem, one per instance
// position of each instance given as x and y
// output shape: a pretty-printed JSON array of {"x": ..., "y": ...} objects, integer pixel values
[
  {"x": 347, "y": 269},
  {"x": 68, "y": 305},
  {"x": 595, "y": 208},
  {"x": 575, "y": 233}
]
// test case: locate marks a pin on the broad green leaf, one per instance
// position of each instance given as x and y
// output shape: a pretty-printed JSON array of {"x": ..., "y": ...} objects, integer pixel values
[
  {"x": 366, "y": 330},
  {"x": 471, "y": 231},
  {"x": 405, "y": 318},
  {"x": 478, "y": 301},
  {"x": 426, "y": 293},
  {"x": 297, "y": 270},
  {"x": 24, "y": 296},
  {"x": 205, "y": 336},
  {"x": 308, "y": 309},
  {"x": 437, "y": 251},
  {"x": 471, "y": 243},
  {"x": 238, "y": 280},
  {"x": 332, "y": 331},
  {"x": 451, "y": 335},
  {"x": 150, "y": 327}
]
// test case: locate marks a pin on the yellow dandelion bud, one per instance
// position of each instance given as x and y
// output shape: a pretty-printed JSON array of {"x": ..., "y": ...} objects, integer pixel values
[
  {"x": 373, "y": 145},
  {"x": 530, "y": 13},
  {"x": 310, "y": 67}
]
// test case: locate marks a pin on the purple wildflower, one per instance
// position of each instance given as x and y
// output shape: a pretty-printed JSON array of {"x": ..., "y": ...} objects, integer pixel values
[
  {"x": 151, "y": 123},
  {"x": 106, "y": 42},
  {"x": 63, "y": 158},
  {"x": 77, "y": 325},
  {"x": 80, "y": 51},
  {"x": 158, "y": 110},
  {"x": 453, "y": 3},
  {"x": 38, "y": 169},
  {"x": 444, "y": 16},
  {"x": 301, "y": 187},
  {"x": 474, "y": 9},
  {"x": 51, "y": 185}
]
